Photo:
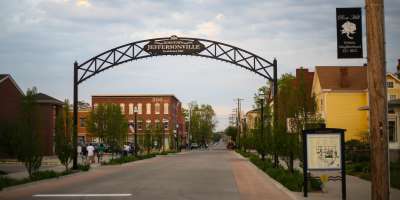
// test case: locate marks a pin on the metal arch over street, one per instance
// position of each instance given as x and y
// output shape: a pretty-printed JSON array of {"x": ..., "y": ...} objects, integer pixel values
[
  {"x": 212, "y": 49},
  {"x": 169, "y": 46}
]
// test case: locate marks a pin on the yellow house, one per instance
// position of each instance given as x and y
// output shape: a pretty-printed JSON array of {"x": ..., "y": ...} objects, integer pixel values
[
  {"x": 340, "y": 92},
  {"x": 393, "y": 95}
]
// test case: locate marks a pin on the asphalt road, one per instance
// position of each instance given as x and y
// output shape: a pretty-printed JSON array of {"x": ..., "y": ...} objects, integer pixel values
[{"x": 212, "y": 174}]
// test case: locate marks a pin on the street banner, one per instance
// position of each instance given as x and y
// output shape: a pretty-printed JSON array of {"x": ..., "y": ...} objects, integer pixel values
[{"x": 349, "y": 33}]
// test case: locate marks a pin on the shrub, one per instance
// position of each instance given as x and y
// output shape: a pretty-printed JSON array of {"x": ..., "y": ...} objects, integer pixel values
[
  {"x": 357, "y": 151},
  {"x": 6, "y": 182},
  {"x": 292, "y": 181},
  {"x": 84, "y": 167},
  {"x": 40, "y": 175}
]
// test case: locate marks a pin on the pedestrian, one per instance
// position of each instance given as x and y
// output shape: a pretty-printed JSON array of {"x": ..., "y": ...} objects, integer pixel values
[
  {"x": 90, "y": 152},
  {"x": 84, "y": 153},
  {"x": 100, "y": 152},
  {"x": 126, "y": 149}
]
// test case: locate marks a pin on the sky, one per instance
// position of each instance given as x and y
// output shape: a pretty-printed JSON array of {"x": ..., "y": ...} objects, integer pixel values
[{"x": 40, "y": 40}]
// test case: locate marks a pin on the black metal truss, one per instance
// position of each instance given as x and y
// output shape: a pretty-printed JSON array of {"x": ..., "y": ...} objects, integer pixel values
[{"x": 214, "y": 50}]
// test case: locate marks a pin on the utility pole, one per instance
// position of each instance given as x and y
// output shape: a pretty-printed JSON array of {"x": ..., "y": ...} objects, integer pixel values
[
  {"x": 377, "y": 99},
  {"x": 238, "y": 120}
]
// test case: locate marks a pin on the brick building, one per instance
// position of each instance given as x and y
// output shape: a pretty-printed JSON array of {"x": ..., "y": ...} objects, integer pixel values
[
  {"x": 10, "y": 108},
  {"x": 152, "y": 109}
]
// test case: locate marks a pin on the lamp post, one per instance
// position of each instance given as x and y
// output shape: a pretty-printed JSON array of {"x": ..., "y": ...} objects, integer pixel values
[
  {"x": 261, "y": 97},
  {"x": 135, "y": 110},
  {"x": 177, "y": 137}
]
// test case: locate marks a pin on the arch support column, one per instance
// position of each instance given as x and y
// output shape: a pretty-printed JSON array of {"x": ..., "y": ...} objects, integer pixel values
[{"x": 75, "y": 119}]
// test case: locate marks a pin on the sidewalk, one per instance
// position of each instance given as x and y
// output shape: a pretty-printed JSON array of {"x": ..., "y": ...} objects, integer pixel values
[
  {"x": 17, "y": 170},
  {"x": 254, "y": 184},
  {"x": 356, "y": 189}
]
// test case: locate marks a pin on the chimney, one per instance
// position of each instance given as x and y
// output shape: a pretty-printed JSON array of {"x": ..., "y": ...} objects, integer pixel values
[
  {"x": 344, "y": 77},
  {"x": 398, "y": 69}
]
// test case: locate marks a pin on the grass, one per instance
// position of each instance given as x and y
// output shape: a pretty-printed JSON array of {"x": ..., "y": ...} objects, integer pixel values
[{"x": 291, "y": 180}]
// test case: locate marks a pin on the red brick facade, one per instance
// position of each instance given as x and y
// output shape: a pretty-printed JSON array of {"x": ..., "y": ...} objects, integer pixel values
[
  {"x": 10, "y": 99},
  {"x": 165, "y": 109},
  {"x": 10, "y": 105}
]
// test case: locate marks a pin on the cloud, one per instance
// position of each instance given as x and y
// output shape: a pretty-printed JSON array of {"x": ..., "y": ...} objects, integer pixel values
[{"x": 83, "y": 3}]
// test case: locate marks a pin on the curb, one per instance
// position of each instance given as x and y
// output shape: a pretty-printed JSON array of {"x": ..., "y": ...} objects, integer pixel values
[
  {"x": 39, "y": 181},
  {"x": 268, "y": 178}
]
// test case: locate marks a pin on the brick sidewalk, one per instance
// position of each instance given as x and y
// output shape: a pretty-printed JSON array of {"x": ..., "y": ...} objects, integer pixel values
[{"x": 253, "y": 184}]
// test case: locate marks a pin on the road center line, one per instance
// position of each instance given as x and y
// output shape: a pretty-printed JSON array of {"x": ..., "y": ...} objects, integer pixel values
[{"x": 81, "y": 195}]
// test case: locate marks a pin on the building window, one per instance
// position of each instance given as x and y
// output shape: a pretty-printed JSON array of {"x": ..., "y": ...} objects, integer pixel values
[
  {"x": 139, "y": 125},
  {"x": 157, "y": 124},
  {"x": 131, "y": 109},
  {"x": 157, "y": 108},
  {"x": 389, "y": 84},
  {"x": 392, "y": 131},
  {"x": 166, "y": 108},
  {"x": 148, "y": 108},
  {"x": 148, "y": 124},
  {"x": 392, "y": 97},
  {"x": 82, "y": 122},
  {"x": 140, "y": 108},
  {"x": 166, "y": 124},
  {"x": 122, "y": 108}
]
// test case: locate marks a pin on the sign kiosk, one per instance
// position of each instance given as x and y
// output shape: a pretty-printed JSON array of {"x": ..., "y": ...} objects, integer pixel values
[{"x": 323, "y": 150}]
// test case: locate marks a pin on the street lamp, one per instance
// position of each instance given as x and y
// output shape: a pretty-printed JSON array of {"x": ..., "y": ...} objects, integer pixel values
[
  {"x": 261, "y": 98},
  {"x": 135, "y": 110},
  {"x": 177, "y": 137}
]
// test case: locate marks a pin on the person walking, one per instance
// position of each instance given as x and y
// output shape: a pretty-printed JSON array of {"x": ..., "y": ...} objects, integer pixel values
[
  {"x": 100, "y": 152},
  {"x": 90, "y": 152}
]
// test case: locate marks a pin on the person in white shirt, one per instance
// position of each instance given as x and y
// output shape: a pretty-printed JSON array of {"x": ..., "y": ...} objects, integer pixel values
[{"x": 90, "y": 152}]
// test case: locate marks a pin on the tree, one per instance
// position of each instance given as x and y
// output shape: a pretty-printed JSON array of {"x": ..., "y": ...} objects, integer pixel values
[
  {"x": 158, "y": 131},
  {"x": 202, "y": 123},
  {"x": 147, "y": 138},
  {"x": 97, "y": 122},
  {"x": 29, "y": 148},
  {"x": 63, "y": 144},
  {"x": 108, "y": 124},
  {"x": 231, "y": 131},
  {"x": 299, "y": 109},
  {"x": 116, "y": 127}
]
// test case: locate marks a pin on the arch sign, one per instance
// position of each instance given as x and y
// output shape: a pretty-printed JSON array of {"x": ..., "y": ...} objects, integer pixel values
[{"x": 169, "y": 46}]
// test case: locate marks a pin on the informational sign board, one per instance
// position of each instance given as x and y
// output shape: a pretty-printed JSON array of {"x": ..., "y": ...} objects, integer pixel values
[
  {"x": 324, "y": 151},
  {"x": 173, "y": 46},
  {"x": 349, "y": 33}
]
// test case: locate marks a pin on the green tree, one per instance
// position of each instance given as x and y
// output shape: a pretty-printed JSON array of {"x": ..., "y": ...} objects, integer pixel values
[
  {"x": 116, "y": 127},
  {"x": 29, "y": 149},
  {"x": 108, "y": 124},
  {"x": 299, "y": 109},
  {"x": 97, "y": 122},
  {"x": 147, "y": 143},
  {"x": 63, "y": 144},
  {"x": 202, "y": 123},
  {"x": 231, "y": 131},
  {"x": 158, "y": 131}
]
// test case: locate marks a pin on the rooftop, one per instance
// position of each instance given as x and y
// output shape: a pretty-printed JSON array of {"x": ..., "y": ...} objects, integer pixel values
[
  {"x": 44, "y": 98},
  {"x": 134, "y": 95},
  {"x": 342, "y": 78}
]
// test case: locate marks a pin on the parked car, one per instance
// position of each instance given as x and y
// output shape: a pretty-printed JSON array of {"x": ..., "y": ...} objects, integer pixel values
[{"x": 194, "y": 146}]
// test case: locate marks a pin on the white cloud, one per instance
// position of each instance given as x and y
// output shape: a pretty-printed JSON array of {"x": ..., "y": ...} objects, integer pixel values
[
  {"x": 83, "y": 3},
  {"x": 208, "y": 29}
]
